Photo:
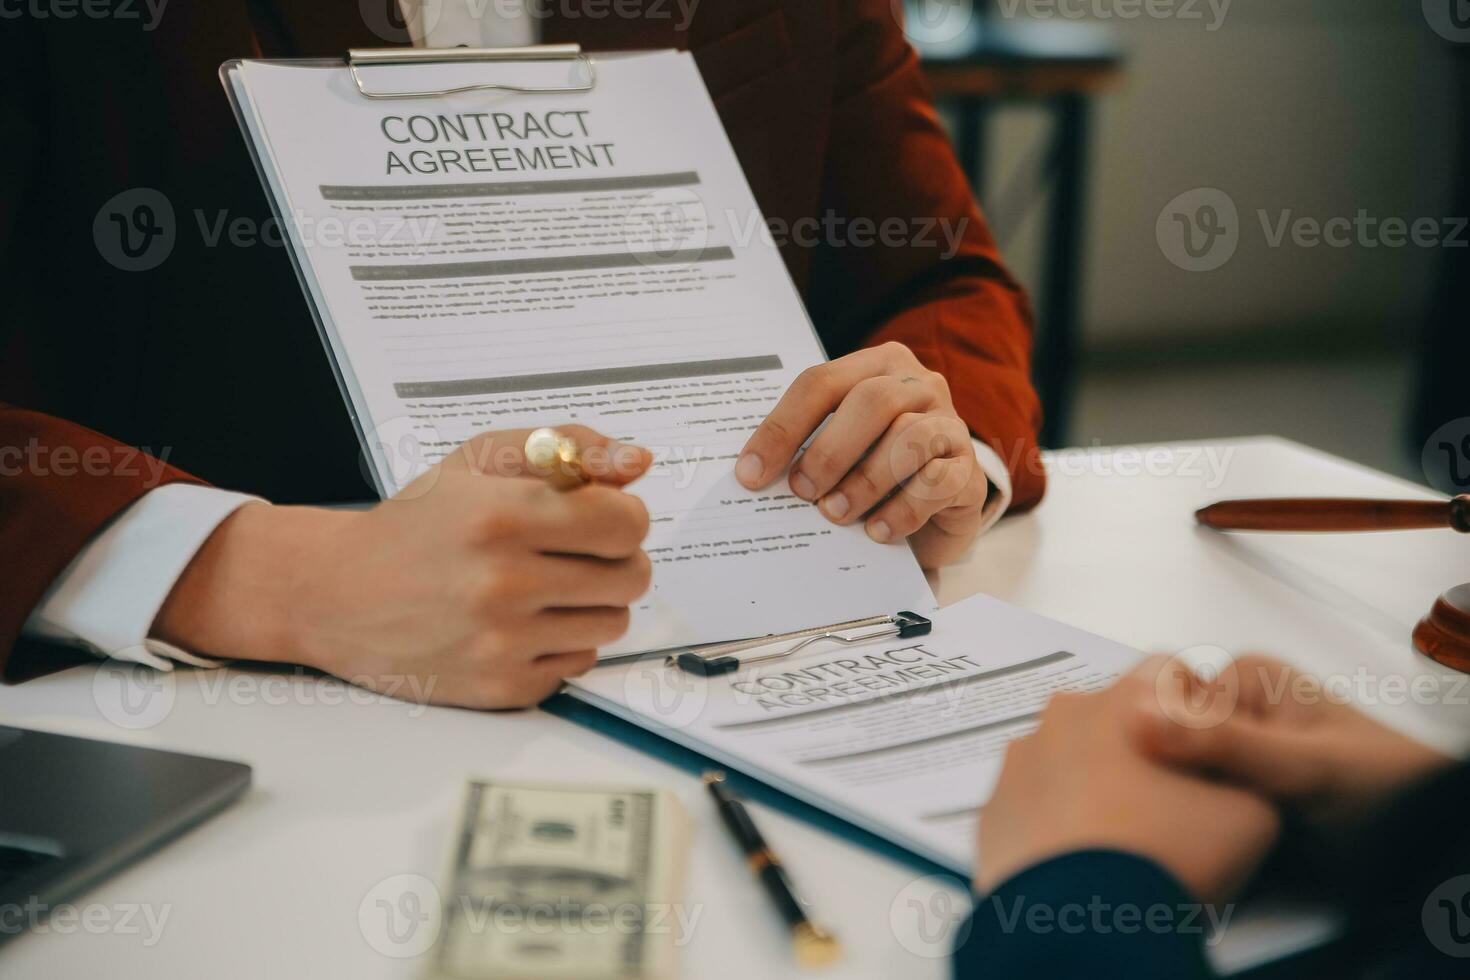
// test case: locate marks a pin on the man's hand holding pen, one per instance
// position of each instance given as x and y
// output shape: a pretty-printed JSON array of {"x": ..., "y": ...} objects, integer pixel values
[
  {"x": 481, "y": 575},
  {"x": 499, "y": 577}
]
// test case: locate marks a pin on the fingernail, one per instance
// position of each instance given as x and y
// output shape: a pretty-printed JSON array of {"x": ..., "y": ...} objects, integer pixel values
[
  {"x": 836, "y": 505},
  {"x": 803, "y": 486},
  {"x": 748, "y": 470},
  {"x": 880, "y": 531}
]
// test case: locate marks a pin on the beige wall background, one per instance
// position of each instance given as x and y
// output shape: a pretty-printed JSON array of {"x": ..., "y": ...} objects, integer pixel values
[{"x": 1315, "y": 107}]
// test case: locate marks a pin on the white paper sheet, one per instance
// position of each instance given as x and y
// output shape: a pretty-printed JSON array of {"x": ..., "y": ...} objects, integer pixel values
[{"x": 493, "y": 261}]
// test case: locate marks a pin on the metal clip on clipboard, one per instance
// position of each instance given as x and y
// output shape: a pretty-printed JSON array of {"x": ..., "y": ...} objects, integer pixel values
[
  {"x": 719, "y": 658},
  {"x": 371, "y": 57}
]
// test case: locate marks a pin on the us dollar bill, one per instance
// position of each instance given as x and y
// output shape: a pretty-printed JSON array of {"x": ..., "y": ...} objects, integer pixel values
[{"x": 549, "y": 882}]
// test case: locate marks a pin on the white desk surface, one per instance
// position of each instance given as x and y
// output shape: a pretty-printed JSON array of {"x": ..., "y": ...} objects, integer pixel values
[{"x": 347, "y": 795}]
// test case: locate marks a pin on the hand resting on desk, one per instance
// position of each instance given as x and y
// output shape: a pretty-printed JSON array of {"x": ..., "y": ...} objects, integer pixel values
[
  {"x": 1167, "y": 790},
  {"x": 1190, "y": 773},
  {"x": 1286, "y": 738},
  {"x": 1080, "y": 782}
]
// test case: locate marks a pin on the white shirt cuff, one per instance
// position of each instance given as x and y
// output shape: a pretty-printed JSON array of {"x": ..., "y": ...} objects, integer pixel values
[
  {"x": 107, "y": 598},
  {"x": 450, "y": 24},
  {"x": 995, "y": 471}
]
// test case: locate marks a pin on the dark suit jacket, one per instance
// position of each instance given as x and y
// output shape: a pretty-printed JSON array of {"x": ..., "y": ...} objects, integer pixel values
[
  {"x": 211, "y": 359},
  {"x": 1404, "y": 883}
]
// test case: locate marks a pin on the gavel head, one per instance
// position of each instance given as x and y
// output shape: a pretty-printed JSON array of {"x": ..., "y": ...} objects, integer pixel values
[
  {"x": 1444, "y": 634},
  {"x": 1460, "y": 513}
]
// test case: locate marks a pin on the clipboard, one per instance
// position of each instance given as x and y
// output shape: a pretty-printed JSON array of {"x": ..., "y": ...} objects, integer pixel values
[
  {"x": 701, "y": 661},
  {"x": 368, "y": 68}
]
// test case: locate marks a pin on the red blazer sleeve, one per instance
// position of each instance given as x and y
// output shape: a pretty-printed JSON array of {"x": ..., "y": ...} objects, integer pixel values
[
  {"x": 950, "y": 300},
  {"x": 60, "y": 483}
]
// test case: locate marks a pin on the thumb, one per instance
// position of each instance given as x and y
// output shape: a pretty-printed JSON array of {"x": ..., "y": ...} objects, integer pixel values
[
  {"x": 1268, "y": 759},
  {"x": 606, "y": 460}
]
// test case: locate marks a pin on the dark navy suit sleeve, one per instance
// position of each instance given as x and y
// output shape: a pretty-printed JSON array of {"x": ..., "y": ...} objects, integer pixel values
[{"x": 1089, "y": 914}]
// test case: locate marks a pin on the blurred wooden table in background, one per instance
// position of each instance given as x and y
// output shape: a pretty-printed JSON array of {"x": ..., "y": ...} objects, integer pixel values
[{"x": 974, "y": 63}]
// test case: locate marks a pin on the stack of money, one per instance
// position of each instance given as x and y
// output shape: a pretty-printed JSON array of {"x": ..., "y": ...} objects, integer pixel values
[{"x": 548, "y": 882}]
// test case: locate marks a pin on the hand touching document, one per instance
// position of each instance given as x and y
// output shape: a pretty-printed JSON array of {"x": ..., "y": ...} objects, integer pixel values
[{"x": 894, "y": 453}]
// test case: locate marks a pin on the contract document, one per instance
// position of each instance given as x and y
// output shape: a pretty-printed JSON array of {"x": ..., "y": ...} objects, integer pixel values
[
  {"x": 494, "y": 260},
  {"x": 906, "y": 738},
  {"x": 901, "y": 737}
]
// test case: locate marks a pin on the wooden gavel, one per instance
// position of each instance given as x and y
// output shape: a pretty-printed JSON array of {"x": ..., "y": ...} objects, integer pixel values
[{"x": 1444, "y": 634}]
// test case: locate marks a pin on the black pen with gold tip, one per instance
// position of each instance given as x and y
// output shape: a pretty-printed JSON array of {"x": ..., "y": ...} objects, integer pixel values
[{"x": 814, "y": 945}]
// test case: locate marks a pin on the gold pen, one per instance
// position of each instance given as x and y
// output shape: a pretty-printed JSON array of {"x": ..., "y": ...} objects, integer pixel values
[
  {"x": 815, "y": 946},
  {"x": 556, "y": 458}
]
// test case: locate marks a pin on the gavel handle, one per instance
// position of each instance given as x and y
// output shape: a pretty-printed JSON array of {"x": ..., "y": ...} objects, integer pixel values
[{"x": 1331, "y": 514}]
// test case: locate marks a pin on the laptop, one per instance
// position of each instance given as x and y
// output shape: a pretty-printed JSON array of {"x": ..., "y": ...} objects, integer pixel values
[{"x": 75, "y": 810}]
